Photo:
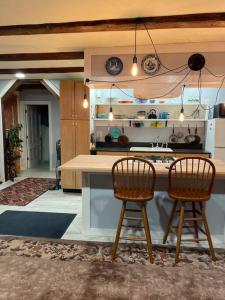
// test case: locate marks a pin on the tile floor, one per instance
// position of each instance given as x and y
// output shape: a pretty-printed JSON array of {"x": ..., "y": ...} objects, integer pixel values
[{"x": 51, "y": 201}]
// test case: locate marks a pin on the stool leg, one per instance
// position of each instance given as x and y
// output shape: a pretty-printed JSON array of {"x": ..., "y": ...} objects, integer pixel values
[
  {"x": 170, "y": 222},
  {"x": 180, "y": 227},
  {"x": 147, "y": 232},
  {"x": 115, "y": 246},
  {"x": 195, "y": 222},
  {"x": 204, "y": 219}
]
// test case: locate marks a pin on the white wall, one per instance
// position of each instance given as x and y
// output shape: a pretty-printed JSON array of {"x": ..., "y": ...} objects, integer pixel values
[{"x": 44, "y": 95}]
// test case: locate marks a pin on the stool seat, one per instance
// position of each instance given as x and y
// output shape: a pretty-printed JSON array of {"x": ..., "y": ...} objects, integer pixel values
[
  {"x": 133, "y": 195},
  {"x": 186, "y": 194}
]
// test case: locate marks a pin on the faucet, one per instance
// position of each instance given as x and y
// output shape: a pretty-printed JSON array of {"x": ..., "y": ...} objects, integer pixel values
[{"x": 157, "y": 141}]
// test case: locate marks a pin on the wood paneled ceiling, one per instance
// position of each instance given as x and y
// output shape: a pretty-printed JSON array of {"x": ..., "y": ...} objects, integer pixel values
[{"x": 14, "y": 12}]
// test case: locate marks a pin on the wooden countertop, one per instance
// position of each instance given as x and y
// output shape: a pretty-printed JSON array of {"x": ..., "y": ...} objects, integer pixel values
[{"x": 103, "y": 164}]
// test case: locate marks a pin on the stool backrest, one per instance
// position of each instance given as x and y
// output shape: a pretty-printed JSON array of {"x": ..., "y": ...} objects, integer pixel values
[
  {"x": 133, "y": 176},
  {"x": 192, "y": 175}
]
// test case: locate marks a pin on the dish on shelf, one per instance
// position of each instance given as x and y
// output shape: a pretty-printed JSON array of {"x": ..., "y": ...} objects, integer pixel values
[
  {"x": 102, "y": 116},
  {"x": 119, "y": 117},
  {"x": 115, "y": 132},
  {"x": 141, "y": 101},
  {"x": 125, "y": 101}
]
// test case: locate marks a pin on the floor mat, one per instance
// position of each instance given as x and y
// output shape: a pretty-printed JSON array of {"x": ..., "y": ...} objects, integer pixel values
[
  {"x": 25, "y": 191},
  {"x": 34, "y": 224}
]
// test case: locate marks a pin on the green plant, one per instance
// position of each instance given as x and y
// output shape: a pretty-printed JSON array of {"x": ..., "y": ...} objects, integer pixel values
[{"x": 13, "y": 149}]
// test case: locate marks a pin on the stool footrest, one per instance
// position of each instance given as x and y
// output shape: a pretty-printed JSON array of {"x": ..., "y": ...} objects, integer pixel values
[
  {"x": 193, "y": 240},
  {"x": 133, "y": 218},
  {"x": 133, "y": 226},
  {"x": 132, "y": 238},
  {"x": 193, "y": 219},
  {"x": 135, "y": 210}
]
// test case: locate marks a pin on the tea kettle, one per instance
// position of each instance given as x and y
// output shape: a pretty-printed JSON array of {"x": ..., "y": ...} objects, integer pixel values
[{"x": 152, "y": 114}]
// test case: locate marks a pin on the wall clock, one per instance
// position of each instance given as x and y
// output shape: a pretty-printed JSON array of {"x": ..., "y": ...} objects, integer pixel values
[
  {"x": 114, "y": 66},
  {"x": 150, "y": 64}
]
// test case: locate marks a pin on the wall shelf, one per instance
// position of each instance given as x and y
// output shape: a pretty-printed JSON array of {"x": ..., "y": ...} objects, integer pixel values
[{"x": 151, "y": 120}]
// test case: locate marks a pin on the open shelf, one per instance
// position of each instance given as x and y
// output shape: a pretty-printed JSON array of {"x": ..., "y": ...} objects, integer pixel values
[{"x": 152, "y": 120}]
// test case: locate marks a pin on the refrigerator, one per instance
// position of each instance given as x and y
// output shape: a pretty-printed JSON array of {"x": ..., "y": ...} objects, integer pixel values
[{"x": 215, "y": 138}]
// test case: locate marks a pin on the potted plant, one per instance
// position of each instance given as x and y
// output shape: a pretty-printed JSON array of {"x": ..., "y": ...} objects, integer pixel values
[{"x": 13, "y": 149}]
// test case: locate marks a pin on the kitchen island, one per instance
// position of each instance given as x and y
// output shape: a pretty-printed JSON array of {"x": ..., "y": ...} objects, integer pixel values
[{"x": 100, "y": 210}]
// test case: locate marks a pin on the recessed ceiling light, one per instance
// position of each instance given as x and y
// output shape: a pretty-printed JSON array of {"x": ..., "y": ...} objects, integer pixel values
[{"x": 20, "y": 75}]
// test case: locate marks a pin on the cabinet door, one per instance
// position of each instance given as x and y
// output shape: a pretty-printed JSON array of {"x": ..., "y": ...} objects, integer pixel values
[
  {"x": 68, "y": 178},
  {"x": 80, "y": 112},
  {"x": 82, "y": 139},
  {"x": 67, "y": 104}
]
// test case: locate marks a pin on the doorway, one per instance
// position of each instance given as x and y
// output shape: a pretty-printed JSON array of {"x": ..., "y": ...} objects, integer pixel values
[{"x": 37, "y": 136}]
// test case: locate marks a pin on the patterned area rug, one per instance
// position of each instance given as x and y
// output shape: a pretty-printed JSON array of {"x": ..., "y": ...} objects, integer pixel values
[
  {"x": 128, "y": 253},
  {"x": 25, "y": 191},
  {"x": 43, "y": 269}
]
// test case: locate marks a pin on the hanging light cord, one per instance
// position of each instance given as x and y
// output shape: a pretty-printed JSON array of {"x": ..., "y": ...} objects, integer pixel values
[
  {"x": 157, "y": 97},
  {"x": 156, "y": 53},
  {"x": 185, "y": 67},
  {"x": 200, "y": 90},
  {"x": 135, "y": 40}
]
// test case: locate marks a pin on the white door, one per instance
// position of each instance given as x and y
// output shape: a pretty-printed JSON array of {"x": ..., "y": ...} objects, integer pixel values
[{"x": 33, "y": 136}]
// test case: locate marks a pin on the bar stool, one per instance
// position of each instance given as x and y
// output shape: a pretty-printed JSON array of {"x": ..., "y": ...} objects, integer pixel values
[
  {"x": 190, "y": 180},
  {"x": 133, "y": 181}
]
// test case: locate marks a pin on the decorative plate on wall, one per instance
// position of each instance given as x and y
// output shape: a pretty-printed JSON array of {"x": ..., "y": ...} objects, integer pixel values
[
  {"x": 150, "y": 64},
  {"x": 114, "y": 65}
]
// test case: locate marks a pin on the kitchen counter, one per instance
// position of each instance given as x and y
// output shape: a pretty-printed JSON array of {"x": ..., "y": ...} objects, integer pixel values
[
  {"x": 127, "y": 149},
  {"x": 104, "y": 163},
  {"x": 100, "y": 210},
  {"x": 177, "y": 148}
]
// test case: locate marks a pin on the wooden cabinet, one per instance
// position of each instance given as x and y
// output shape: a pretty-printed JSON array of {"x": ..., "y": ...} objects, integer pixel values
[
  {"x": 75, "y": 129},
  {"x": 179, "y": 155},
  {"x": 71, "y": 100},
  {"x": 67, "y": 101},
  {"x": 112, "y": 153}
]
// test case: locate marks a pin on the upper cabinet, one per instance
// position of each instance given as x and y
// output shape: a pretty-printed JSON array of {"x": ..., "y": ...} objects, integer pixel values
[{"x": 71, "y": 100}]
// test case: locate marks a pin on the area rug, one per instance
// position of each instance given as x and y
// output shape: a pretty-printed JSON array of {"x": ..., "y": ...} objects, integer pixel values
[
  {"x": 34, "y": 224},
  {"x": 128, "y": 253},
  {"x": 25, "y": 191},
  {"x": 67, "y": 270},
  {"x": 28, "y": 278}
]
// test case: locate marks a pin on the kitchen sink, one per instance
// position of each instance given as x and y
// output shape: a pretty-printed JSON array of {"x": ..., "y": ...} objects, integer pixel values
[{"x": 151, "y": 149}]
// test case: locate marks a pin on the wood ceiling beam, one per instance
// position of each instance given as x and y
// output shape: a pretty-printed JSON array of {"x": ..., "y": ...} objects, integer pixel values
[
  {"x": 41, "y": 56},
  {"x": 204, "y": 20},
  {"x": 43, "y": 70}
]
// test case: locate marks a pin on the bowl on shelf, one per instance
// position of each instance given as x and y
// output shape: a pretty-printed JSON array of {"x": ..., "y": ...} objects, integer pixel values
[
  {"x": 141, "y": 101},
  {"x": 102, "y": 116}
]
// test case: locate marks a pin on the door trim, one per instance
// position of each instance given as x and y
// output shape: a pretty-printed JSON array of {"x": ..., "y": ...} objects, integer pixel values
[{"x": 23, "y": 131}]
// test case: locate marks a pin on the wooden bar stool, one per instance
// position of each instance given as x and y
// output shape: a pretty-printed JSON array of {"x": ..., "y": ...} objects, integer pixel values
[
  {"x": 190, "y": 180},
  {"x": 133, "y": 180}
]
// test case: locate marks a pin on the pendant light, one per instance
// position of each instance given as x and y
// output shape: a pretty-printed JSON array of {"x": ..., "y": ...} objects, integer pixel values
[
  {"x": 111, "y": 116},
  {"x": 181, "y": 116},
  {"x": 134, "y": 69},
  {"x": 85, "y": 100}
]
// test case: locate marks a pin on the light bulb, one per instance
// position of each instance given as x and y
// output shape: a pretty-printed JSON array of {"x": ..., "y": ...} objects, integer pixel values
[
  {"x": 20, "y": 75},
  {"x": 181, "y": 116},
  {"x": 85, "y": 102},
  {"x": 134, "y": 69},
  {"x": 111, "y": 117}
]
